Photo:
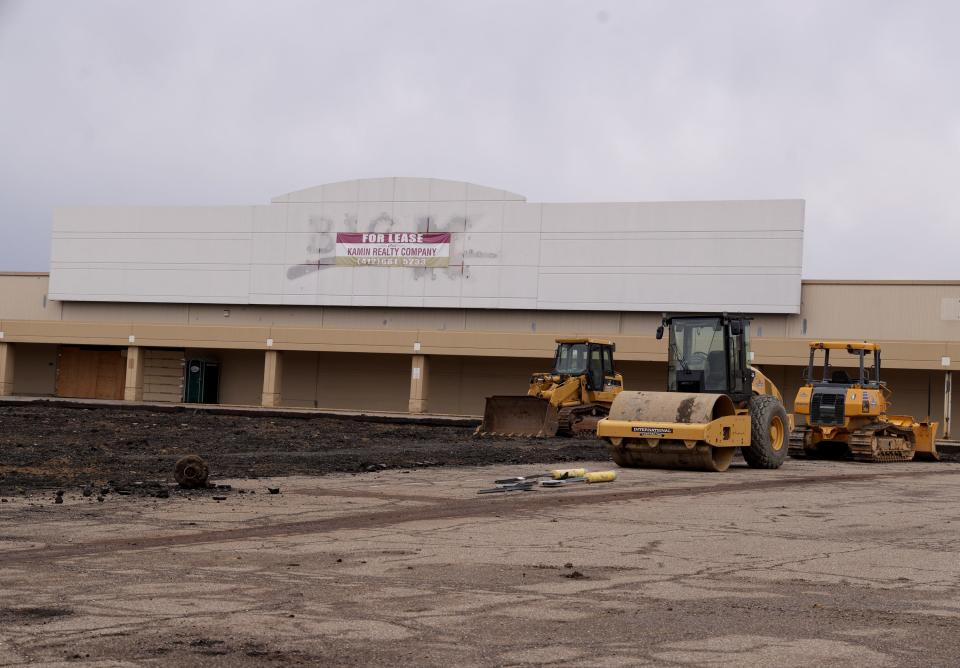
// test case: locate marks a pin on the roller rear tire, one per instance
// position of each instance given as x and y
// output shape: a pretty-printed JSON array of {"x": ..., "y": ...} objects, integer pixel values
[{"x": 769, "y": 433}]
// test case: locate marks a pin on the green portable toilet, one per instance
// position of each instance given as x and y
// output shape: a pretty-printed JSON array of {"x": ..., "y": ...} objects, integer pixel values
[{"x": 202, "y": 384}]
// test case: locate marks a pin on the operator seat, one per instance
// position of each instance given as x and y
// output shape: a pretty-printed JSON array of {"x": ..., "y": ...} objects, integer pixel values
[
  {"x": 715, "y": 372},
  {"x": 840, "y": 377}
]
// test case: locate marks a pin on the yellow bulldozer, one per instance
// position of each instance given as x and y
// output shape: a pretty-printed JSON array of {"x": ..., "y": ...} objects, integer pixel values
[
  {"x": 569, "y": 399},
  {"x": 847, "y": 416},
  {"x": 715, "y": 403}
]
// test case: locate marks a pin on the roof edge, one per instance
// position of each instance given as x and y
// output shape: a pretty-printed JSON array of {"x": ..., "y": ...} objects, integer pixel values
[{"x": 880, "y": 281}]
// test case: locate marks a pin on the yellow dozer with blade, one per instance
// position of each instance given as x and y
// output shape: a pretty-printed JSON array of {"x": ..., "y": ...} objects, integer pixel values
[
  {"x": 847, "y": 416},
  {"x": 569, "y": 399},
  {"x": 715, "y": 403}
]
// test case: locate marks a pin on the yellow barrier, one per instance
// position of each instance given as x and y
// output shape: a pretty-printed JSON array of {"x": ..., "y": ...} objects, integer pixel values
[
  {"x": 601, "y": 476},
  {"x": 562, "y": 474}
]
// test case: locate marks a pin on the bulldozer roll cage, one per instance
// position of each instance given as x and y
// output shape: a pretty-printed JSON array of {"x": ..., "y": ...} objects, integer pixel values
[{"x": 832, "y": 376}]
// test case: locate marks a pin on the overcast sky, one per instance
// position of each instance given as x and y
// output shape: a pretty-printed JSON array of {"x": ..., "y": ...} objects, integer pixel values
[{"x": 852, "y": 106}]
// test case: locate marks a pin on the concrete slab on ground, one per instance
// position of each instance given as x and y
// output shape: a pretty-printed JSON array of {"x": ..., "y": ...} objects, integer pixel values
[{"x": 815, "y": 563}]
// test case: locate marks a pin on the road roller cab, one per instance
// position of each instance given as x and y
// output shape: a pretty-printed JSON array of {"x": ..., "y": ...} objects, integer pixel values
[{"x": 715, "y": 403}]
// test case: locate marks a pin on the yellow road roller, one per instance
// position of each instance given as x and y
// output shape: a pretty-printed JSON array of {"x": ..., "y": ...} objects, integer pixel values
[{"x": 716, "y": 402}]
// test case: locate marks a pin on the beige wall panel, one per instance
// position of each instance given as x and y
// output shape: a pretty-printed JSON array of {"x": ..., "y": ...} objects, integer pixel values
[
  {"x": 124, "y": 312},
  {"x": 298, "y": 385},
  {"x": 24, "y": 297},
  {"x": 770, "y": 351},
  {"x": 649, "y": 376},
  {"x": 640, "y": 324},
  {"x": 335, "y": 317},
  {"x": 357, "y": 381},
  {"x": 35, "y": 372},
  {"x": 93, "y": 333},
  {"x": 287, "y": 316},
  {"x": 460, "y": 385},
  {"x": 645, "y": 348},
  {"x": 401, "y": 340},
  {"x": 770, "y": 326},
  {"x": 241, "y": 376},
  {"x": 200, "y": 336},
  {"x": 543, "y": 322},
  {"x": 952, "y": 350},
  {"x": 890, "y": 312},
  {"x": 514, "y": 345},
  {"x": 910, "y": 392},
  {"x": 364, "y": 381},
  {"x": 912, "y": 355}
]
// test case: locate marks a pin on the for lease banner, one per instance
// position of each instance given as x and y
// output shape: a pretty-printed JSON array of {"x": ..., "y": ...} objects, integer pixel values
[{"x": 393, "y": 249}]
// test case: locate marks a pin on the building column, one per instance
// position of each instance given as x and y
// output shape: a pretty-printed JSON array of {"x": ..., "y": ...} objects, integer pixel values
[
  {"x": 272, "y": 377},
  {"x": 947, "y": 402},
  {"x": 418, "y": 384},
  {"x": 6, "y": 369},
  {"x": 133, "y": 384}
]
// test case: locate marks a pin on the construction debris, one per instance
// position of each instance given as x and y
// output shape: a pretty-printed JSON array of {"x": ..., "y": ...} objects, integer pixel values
[
  {"x": 556, "y": 474},
  {"x": 524, "y": 486},
  {"x": 596, "y": 476},
  {"x": 558, "y": 478},
  {"x": 191, "y": 471}
]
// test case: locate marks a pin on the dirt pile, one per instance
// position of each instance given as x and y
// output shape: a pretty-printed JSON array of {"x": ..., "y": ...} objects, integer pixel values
[{"x": 51, "y": 446}]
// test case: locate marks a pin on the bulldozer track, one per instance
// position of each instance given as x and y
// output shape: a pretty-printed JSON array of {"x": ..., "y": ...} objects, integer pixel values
[
  {"x": 795, "y": 443},
  {"x": 441, "y": 508},
  {"x": 864, "y": 448},
  {"x": 568, "y": 418}
]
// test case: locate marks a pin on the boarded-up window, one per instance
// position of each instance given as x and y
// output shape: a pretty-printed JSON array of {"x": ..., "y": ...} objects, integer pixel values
[{"x": 90, "y": 373}]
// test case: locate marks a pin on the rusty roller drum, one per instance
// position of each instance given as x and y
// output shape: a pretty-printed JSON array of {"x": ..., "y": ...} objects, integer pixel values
[{"x": 680, "y": 407}]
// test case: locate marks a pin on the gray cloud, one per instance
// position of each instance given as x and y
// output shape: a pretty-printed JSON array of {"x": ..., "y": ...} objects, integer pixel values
[{"x": 852, "y": 106}]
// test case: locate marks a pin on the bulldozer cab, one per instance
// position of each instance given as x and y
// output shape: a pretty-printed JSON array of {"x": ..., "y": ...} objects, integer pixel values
[
  {"x": 583, "y": 357},
  {"x": 708, "y": 354},
  {"x": 864, "y": 374},
  {"x": 576, "y": 392}
]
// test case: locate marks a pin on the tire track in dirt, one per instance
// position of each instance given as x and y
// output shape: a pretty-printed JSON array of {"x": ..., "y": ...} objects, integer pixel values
[{"x": 441, "y": 509}]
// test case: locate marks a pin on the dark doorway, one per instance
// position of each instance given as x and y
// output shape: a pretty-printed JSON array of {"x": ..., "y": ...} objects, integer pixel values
[{"x": 202, "y": 384}]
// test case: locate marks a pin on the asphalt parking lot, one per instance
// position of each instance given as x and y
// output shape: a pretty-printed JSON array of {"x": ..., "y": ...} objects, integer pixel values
[{"x": 815, "y": 563}]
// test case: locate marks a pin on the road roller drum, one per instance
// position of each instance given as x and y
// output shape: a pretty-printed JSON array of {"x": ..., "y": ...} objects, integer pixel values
[{"x": 655, "y": 418}]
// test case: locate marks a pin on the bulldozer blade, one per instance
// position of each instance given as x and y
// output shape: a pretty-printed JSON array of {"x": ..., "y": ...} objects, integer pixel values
[{"x": 519, "y": 416}]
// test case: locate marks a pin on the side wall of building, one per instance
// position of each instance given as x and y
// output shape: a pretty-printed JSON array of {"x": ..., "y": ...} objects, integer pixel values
[{"x": 359, "y": 357}]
